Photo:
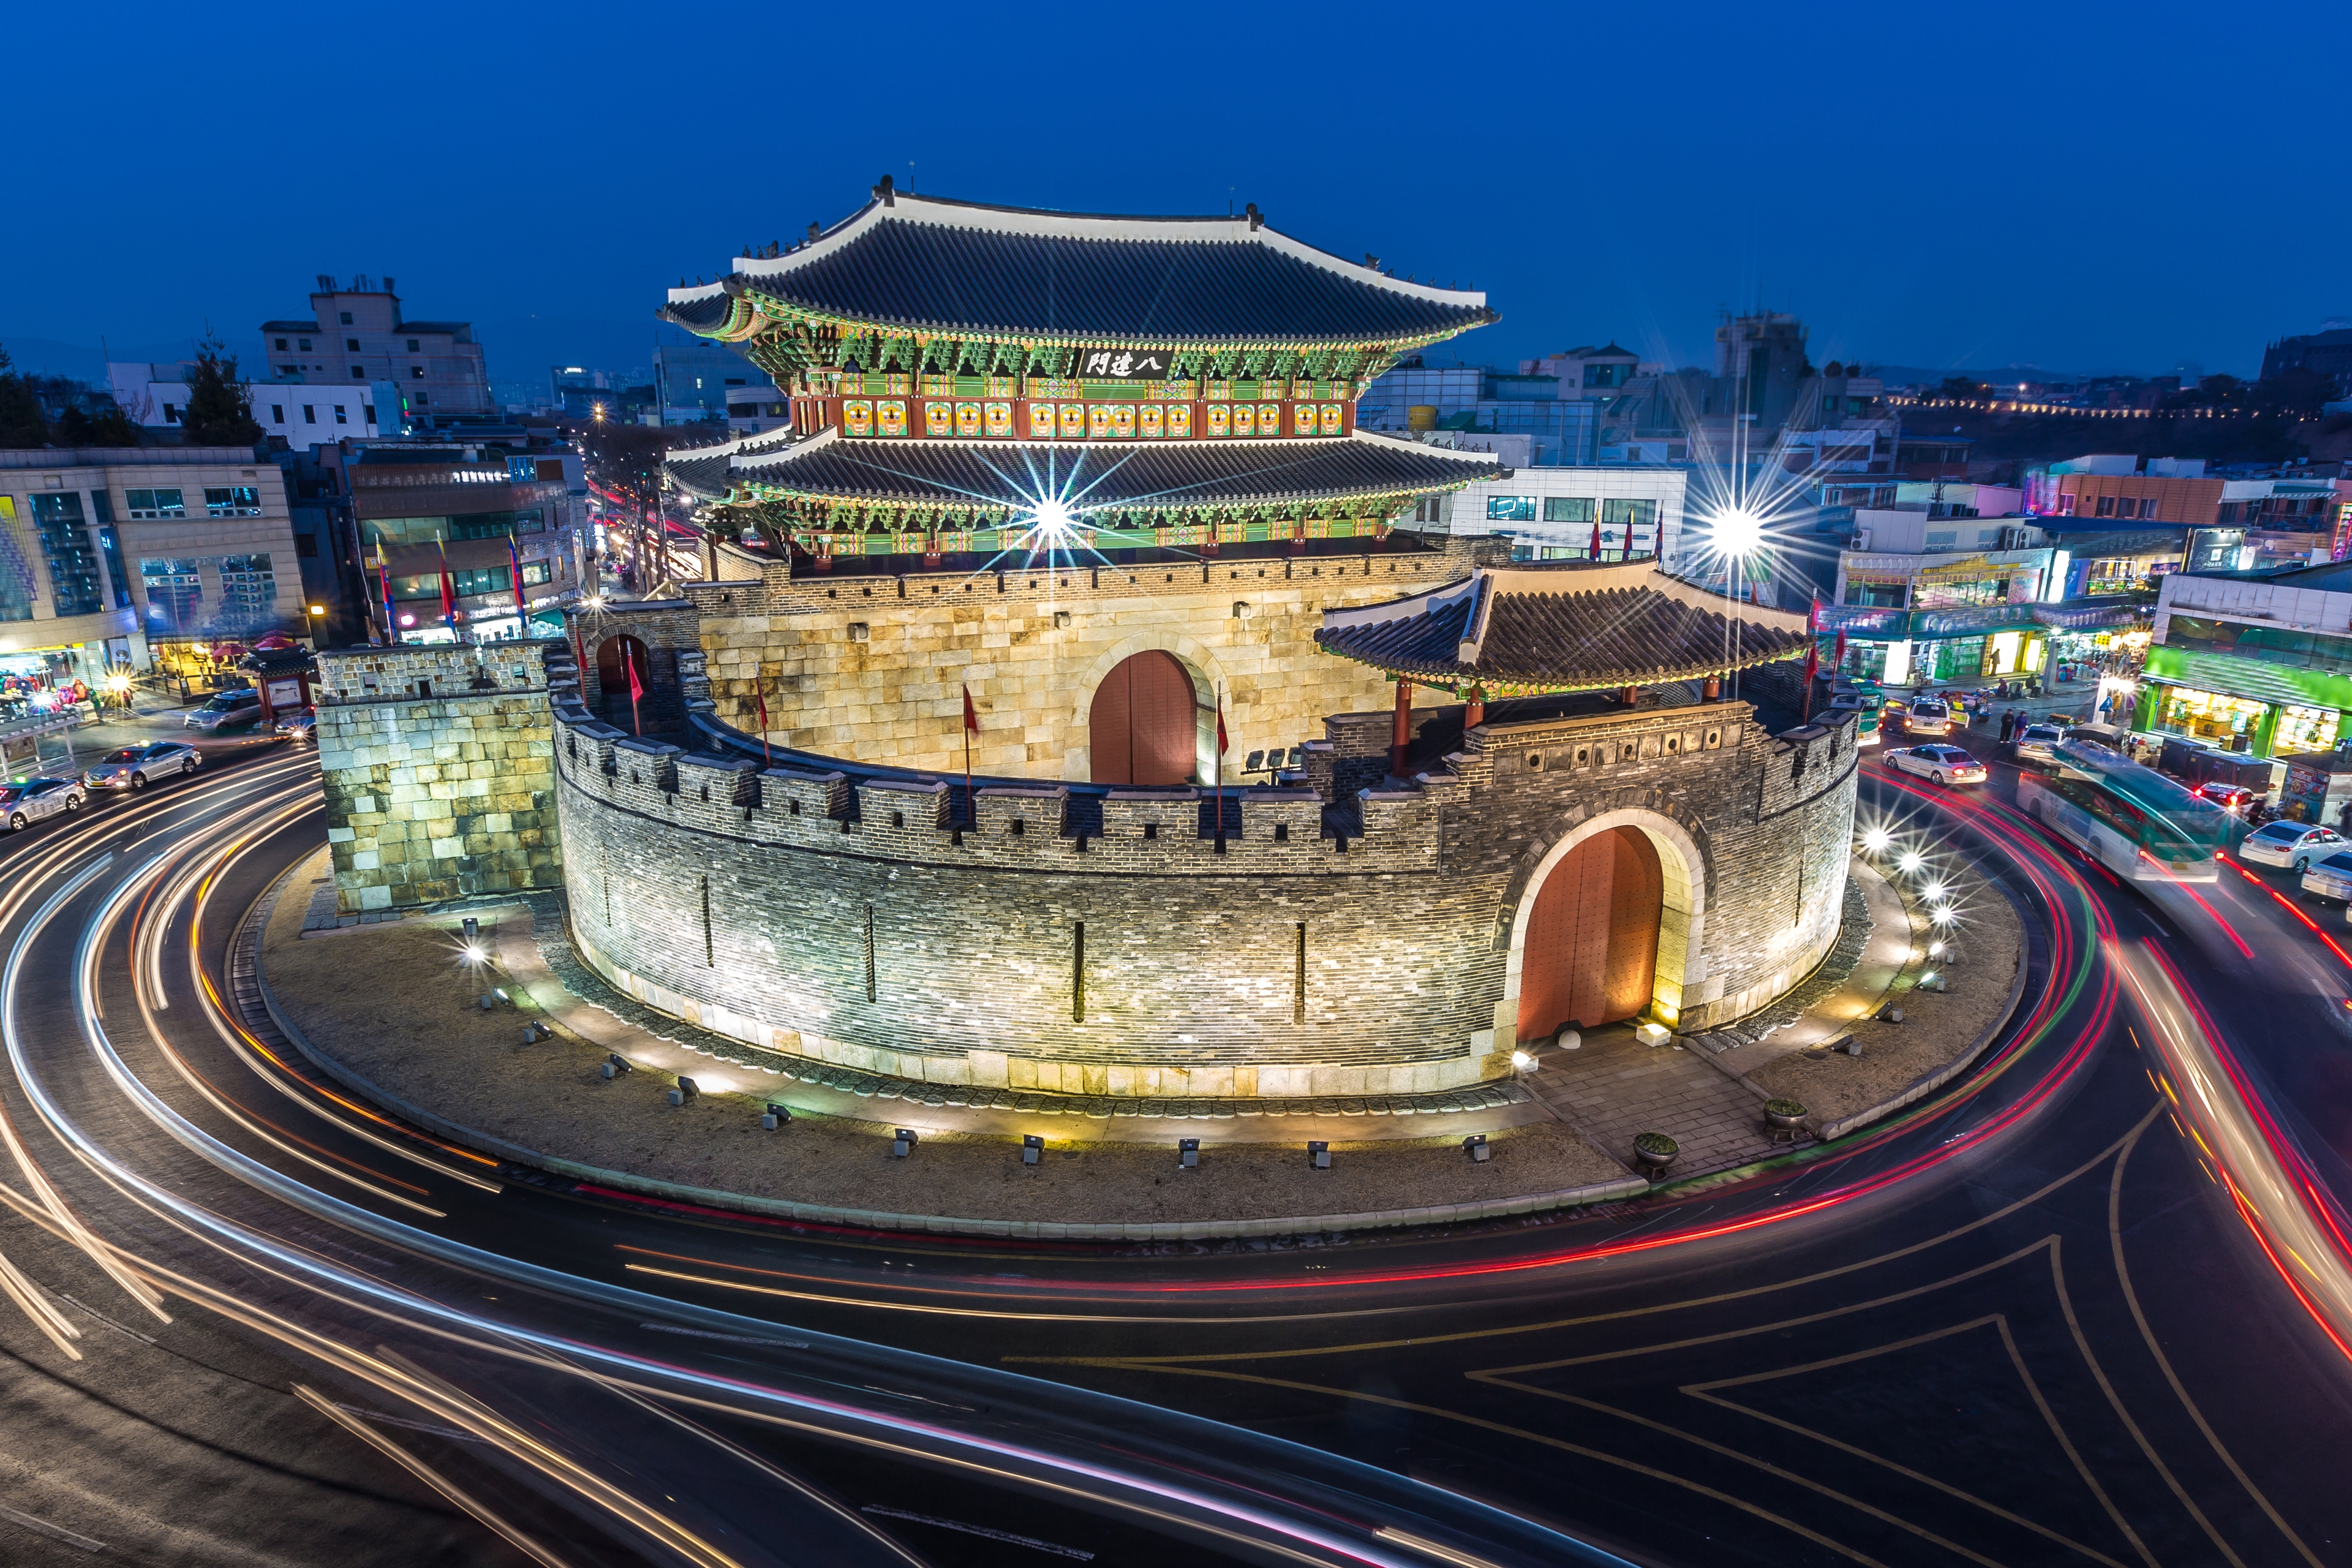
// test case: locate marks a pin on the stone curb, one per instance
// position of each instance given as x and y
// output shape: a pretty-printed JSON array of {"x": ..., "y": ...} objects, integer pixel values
[
  {"x": 878, "y": 1219},
  {"x": 1928, "y": 1083}
]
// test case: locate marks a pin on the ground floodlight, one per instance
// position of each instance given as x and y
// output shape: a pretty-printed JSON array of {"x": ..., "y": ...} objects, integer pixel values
[
  {"x": 613, "y": 1066},
  {"x": 774, "y": 1116},
  {"x": 1033, "y": 1148},
  {"x": 1187, "y": 1152},
  {"x": 1319, "y": 1154},
  {"x": 500, "y": 992},
  {"x": 902, "y": 1142},
  {"x": 1475, "y": 1147},
  {"x": 687, "y": 1089},
  {"x": 1876, "y": 840},
  {"x": 1911, "y": 861},
  {"x": 1522, "y": 1061},
  {"x": 472, "y": 929}
]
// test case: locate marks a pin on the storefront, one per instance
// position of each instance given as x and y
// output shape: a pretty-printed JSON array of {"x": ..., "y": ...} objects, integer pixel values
[{"x": 2242, "y": 704}]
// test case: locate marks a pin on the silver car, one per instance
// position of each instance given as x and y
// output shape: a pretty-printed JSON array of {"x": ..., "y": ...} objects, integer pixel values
[
  {"x": 24, "y": 801},
  {"x": 2038, "y": 742},
  {"x": 136, "y": 767},
  {"x": 2331, "y": 877}
]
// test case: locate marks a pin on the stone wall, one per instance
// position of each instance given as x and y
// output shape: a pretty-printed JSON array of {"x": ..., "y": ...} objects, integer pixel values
[
  {"x": 1106, "y": 942},
  {"x": 873, "y": 668},
  {"x": 438, "y": 767}
]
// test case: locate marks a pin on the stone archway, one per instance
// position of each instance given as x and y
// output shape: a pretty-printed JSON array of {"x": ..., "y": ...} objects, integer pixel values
[
  {"x": 1590, "y": 952},
  {"x": 1199, "y": 666},
  {"x": 1675, "y": 961},
  {"x": 1143, "y": 725}
]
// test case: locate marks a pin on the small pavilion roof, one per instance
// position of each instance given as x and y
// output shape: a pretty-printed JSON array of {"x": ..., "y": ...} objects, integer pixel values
[
  {"x": 928, "y": 264},
  {"x": 1089, "y": 475},
  {"x": 1563, "y": 627}
]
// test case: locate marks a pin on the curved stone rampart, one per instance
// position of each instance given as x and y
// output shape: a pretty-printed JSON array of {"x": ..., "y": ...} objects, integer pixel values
[{"x": 1104, "y": 941}]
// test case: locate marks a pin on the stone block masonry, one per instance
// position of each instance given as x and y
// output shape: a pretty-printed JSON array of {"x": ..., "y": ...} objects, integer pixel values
[{"x": 438, "y": 768}]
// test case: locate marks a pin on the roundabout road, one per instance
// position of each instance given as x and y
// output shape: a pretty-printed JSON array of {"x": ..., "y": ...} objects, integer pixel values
[{"x": 2067, "y": 1310}]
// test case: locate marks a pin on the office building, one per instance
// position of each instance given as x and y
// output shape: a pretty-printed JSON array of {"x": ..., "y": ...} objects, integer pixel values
[{"x": 357, "y": 337}]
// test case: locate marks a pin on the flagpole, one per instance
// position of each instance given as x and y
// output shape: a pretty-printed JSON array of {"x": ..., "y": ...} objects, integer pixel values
[{"x": 1220, "y": 773}]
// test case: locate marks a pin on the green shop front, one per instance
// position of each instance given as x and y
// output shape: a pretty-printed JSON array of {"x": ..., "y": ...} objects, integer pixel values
[
  {"x": 2249, "y": 705},
  {"x": 1929, "y": 648}
]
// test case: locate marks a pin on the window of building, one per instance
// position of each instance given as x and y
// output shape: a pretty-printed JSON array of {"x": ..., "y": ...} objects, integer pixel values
[
  {"x": 359, "y": 373},
  {"x": 306, "y": 545},
  {"x": 347, "y": 318},
  {"x": 1428, "y": 509},
  {"x": 535, "y": 573},
  {"x": 152, "y": 506},
  {"x": 309, "y": 414},
  {"x": 65, "y": 545},
  {"x": 109, "y": 544},
  {"x": 2107, "y": 506},
  {"x": 281, "y": 344},
  {"x": 175, "y": 593},
  {"x": 412, "y": 346},
  {"x": 1943, "y": 536},
  {"x": 278, "y": 414},
  {"x": 416, "y": 372},
  {"x": 421, "y": 398},
  {"x": 367, "y": 411},
  {"x": 352, "y": 344},
  {"x": 1630, "y": 513},
  {"x": 340, "y": 419},
  {"x": 304, "y": 345},
  {"x": 248, "y": 591},
  {"x": 231, "y": 500},
  {"x": 1568, "y": 508},
  {"x": 1510, "y": 509}
]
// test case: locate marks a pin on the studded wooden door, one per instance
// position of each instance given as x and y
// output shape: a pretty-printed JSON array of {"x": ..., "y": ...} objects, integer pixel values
[
  {"x": 1591, "y": 952},
  {"x": 1142, "y": 729}
]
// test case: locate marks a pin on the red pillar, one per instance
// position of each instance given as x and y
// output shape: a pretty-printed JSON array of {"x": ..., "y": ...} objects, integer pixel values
[
  {"x": 1630, "y": 696},
  {"x": 1401, "y": 736},
  {"x": 1473, "y": 713},
  {"x": 1713, "y": 691}
]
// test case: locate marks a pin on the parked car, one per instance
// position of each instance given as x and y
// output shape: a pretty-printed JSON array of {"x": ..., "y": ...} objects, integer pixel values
[
  {"x": 2293, "y": 845},
  {"x": 136, "y": 767},
  {"x": 24, "y": 801},
  {"x": 1927, "y": 716},
  {"x": 2331, "y": 877},
  {"x": 2232, "y": 798},
  {"x": 302, "y": 725},
  {"x": 226, "y": 711},
  {"x": 1943, "y": 765},
  {"x": 2037, "y": 743}
]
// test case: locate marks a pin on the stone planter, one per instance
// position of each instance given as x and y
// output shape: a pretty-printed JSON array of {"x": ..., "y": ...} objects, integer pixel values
[
  {"x": 1654, "y": 1152},
  {"x": 1784, "y": 1115}
]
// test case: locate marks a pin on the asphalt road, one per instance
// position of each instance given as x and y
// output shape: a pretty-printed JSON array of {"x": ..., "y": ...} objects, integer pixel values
[{"x": 2070, "y": 1309}]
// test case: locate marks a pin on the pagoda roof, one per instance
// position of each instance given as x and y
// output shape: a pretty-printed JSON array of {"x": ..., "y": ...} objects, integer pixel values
[
  {"x": 928, "y": 264},
  {"x": 1564, "y": 627},
  {"x": 1089, "y": 475}
]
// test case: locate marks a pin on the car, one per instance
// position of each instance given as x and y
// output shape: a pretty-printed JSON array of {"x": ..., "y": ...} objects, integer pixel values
[
  {"x": 226, "y": 711},
  {"x": 1944, "y": 764},
  {"x": 2232, "y": 798},
  {"x": 302, "y": 725},
  {"x": 2331, "y": 877},
  {"x": 24, "y": 801},
  {"x": 2037, "y": 743},
  {"x": 1927, "y": 716},
  {"x": 136, "y": 767},
  {"x": 2293, "y": 845}
]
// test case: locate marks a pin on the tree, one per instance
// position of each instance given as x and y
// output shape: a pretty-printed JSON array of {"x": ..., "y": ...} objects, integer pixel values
[
  {"x": 21, "y": 422},
  {"x": 220, "y": 407},
  {"x": 109, "y": 426},
  {"x": 1960, "y": 388}
]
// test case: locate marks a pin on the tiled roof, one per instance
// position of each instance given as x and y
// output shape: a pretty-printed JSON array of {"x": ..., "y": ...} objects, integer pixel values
[
  {"x": 1090, "y": 475},
  {"x": 1562, "y": 628},
  {"x": 923, "y": 262}
]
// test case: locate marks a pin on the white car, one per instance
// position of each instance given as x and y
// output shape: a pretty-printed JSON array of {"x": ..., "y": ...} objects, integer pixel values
[
  {"x": 2293, "y": 845},
  {"x": 24, "y": 801},
  {"x": 2331, "y": 877},
  {"x": 1943, "y": 765},
  {"x": 1927, "y": 716},
  {"x": 2036, "y": 742},
  {"x": 136, "y": 767}
]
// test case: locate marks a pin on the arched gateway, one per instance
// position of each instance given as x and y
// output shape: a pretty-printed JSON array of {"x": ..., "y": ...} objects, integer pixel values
[
  {"x": 1591, "y": 955},
  {"x": 1142, "y": 725}
]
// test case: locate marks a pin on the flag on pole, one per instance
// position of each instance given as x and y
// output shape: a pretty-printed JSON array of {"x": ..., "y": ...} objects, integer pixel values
[
  {"x": 636, "y": 689},
  {"x": 762, "y": 699},
  {"x": 448, "y": 589},
  {"x": 971, "y": 714},
  {"x": 1814, "y": 639},
  {"x": 515, "y": 560},
  {"x": 391, "y": 616},
  {"x": 970, "y": 728},
  {"x": 1221, "y": 723},
  {"x": 1596, "y": 539}
]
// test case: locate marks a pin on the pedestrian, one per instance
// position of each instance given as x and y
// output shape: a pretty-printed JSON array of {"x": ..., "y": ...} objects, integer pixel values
[{"x": 2008, "y": 726}]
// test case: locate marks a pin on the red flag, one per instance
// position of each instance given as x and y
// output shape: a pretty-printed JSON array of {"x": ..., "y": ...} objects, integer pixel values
[
  {"x": 971, "y": 714},
  {"x": 1221, "y": 725},
  {"x": 1812, "y": 640},
  {"x": 1596, "y": 539},
  {"x": 448, "y": 595},
  {"x": 762, "y": 699},
  {"x": 636, "y": 689}
]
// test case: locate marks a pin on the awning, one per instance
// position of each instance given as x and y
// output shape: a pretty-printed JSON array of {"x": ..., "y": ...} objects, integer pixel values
[{"x": 2251, "y": 679}]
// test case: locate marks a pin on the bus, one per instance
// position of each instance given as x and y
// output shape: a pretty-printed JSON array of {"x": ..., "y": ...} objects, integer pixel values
[{"x": 2138, "y": 824}]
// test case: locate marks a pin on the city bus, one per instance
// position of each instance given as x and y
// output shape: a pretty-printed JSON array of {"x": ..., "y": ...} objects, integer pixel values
[{"x": 2138, "y": 824}]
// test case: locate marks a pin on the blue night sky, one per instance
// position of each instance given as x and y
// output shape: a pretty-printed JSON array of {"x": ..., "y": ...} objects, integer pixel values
[{"x": 2079, "y": 186}]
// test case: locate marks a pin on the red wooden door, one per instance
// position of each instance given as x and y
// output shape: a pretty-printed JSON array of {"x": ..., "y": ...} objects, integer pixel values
[
  {"x": 1590, "y": 956},
  {"x": 1141, "y": 728}
]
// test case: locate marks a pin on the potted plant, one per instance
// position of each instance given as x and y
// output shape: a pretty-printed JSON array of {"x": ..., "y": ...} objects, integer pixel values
[
  {"x": 1784, "y": 1115},
  {"x": 1654, "y": 1152}
]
